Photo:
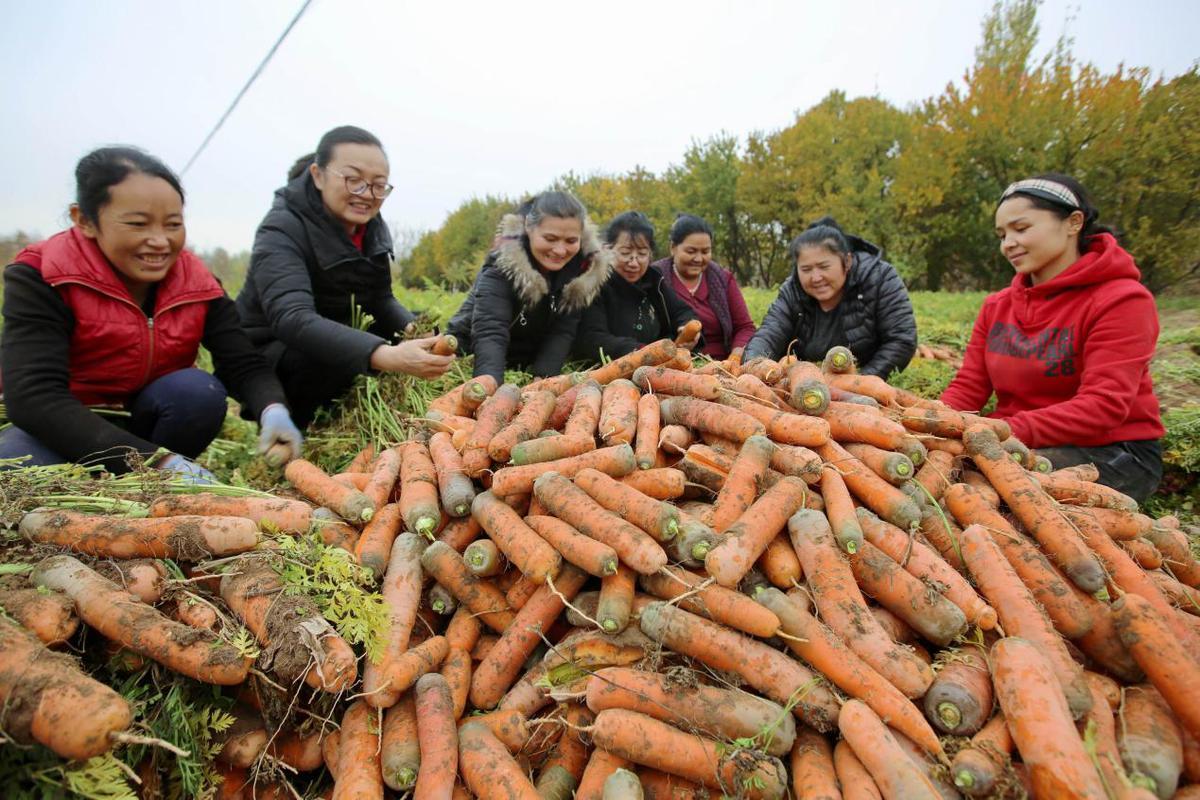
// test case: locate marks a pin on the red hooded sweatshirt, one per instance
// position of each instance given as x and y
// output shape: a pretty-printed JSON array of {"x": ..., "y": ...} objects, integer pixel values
[{"x": 1069, "y": 359}]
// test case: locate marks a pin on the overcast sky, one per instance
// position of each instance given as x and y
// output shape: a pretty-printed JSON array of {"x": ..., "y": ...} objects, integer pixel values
[{"x": 472, "y": 98}]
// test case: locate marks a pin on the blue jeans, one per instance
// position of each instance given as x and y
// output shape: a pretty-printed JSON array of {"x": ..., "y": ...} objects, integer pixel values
[{"x": 182, "y": 411}]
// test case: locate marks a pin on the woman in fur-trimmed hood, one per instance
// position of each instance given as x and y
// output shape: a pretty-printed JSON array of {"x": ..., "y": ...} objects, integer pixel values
[{"x": 524, "y": 308}]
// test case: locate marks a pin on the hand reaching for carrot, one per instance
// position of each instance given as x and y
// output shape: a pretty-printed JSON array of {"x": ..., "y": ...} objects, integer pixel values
[
  {"x": 278, "y": 438},
  {"x": 414, "y": 357},
  {"x": 688, "y": 334},
  {"x": 186, "y": 469}
]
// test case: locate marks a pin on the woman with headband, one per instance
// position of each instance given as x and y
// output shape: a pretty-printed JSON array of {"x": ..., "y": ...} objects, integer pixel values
[{"x": 1067, "y": 346}]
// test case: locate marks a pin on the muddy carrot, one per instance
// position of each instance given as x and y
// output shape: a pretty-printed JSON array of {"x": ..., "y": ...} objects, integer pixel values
[
  {"x": 400, "y": 752},
  {"x": 529, "y": 552},
  {"x": 375, "y": 544},
  {"x": 659, "y": 519},
  {"x": 312, "y": 482},
  {"x": 519, "y": 593},
  {"x": 811, "y": 768},
  {"x": 1167, "y": 663},
  {"x": 875, "y": 493},
  {"x": 714, "y": 602},
  {"x": 484, "y": 558},
  {"x": 353, "y": 480},
  {"x": 551, "y": 448},
  {"x": 857, "y": 424},
  {"x": 1084, "y": 493},
  {"x": 584, "y": 416},
  {"x": 529, "y": 422},
  {"x": 418, "y": 490},
  {"x": 674, "y": 439},
  {"x": 1019, "y": 613},
  {"x": 616, "y": 461},
  {"x": 936, "y": 474},
  {"x": 1120, "y": 525},
  {"x": 593, "y": 557},
  {"x": 978, "y": 768},
  {"x": 188, "y": 538},
  {"x": 742, "y": 483},
  {"x": 383, "y": 476},
  {"x": 895, "y": 468},
  {"x": 1144, "y": 553},
  {"x": 623, "y": 367},
  {"x": 896, "y": 775},
  {"x": 890, "y": 585},
  {"x": 510, "y": 727},
  {"x": 437, "y": 736},
  {"x": 359, "y": 773},
  {"x": 844, "y": 609},
  {"x": 454, "y": 487},
  {"x": 661, "y": 483},
  {"x": 447, "y": 568},
  {"x": 491, "y": 416},
  {"x": 489, "y": 770},
  {"x": 751, "y": 386},
  {"x": 806, "y": 388},
  {"x": 649, "y": 423},
  {"x": 289, "y": 516},
  {"x": 600, "y": 765},
  {"x": 856, "y": 782},
  {"x": 694, "y": 542},
  {"x": 616, "y": 599},
  {"x": 619, "y": 413},
  {"x": 622, "y": 785},
  {"x": 779, "y": 563},
  {"x": 564, "y": 768},
  {"x": 50, "y": 616},
  {"x": 1035, "y": 510},
  {"x": 662, "y": 380},
  {"x": 959, "y": 701},
  {"x": 1028, "y": 688},
  {"x": 784, "y": 427},
  {"x": 754, "y": 529},
  {"x": 839, "y": 507},
  {"x": 703, "y": 415}
]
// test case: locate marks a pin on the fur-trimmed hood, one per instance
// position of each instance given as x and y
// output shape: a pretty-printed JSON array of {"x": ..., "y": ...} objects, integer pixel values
[{"x": 511, "y": 257}]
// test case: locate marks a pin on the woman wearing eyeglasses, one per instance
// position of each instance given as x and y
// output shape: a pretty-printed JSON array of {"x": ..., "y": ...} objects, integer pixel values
[
  {"x": 321, "y": 263},
  {"x": 637, "y": 305},
  {"x": 1066, "y": 347}
]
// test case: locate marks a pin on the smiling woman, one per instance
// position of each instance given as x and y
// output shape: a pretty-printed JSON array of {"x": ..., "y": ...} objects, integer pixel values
[{"x": 111, "y": 313}]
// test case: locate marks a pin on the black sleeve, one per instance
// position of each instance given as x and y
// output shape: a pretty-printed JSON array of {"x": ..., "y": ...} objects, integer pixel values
[
  {"x": 679, "y": 313},
  {"x": 236, "y": 362},
  {"x": 594, "y": 334},
  {"x": 777, "y": 329},
  {"x": 34, "y": 360},
  {"x": 390, "y": 316},
  {"x": 278, "y": 270},
  {"x": 560, "y": 337},
  {"x": 896, "y": 325},
  {"x": 495, "y": 306}
]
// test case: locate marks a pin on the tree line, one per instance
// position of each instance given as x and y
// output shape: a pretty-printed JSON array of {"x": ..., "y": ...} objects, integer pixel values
[{"x": 922, "y": 182}]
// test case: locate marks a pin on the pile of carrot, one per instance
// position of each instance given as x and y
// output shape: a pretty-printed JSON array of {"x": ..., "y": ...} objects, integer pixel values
[{"x": 651, "y": 580}]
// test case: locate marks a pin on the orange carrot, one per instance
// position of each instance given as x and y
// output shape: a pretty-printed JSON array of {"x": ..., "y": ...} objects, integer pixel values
[
  {"x": 1120, "y": 525},
  {"x": 1144, "y": 553},
  {"x": 981, "y": 485},
  {"x": 619, "y": 412},
  {"x": 288, "y": 516},
  {"x": 811, "y": 768},
  {"x": 896, "y": 775},
  {"x": 551, "y": 448},
  {"x": 659, "y": 519},
  {"x": 524, "y": 548},
  {"x": 779, "y": 563},
  {"x": 663, "y": 380},
  {"x": 484, "y": 558},
  {"x": 564, "y": 768},
  {"x": 418, "y": 490},
  {"x": 859, "y": 424},
  {"x": 806, "y": 388},
  {"x": 954, "y": 447},
  {"x": 353, "y": 480},
  {"x": 460, "y": 533},
  {"x": 895, "y": 468},
  {"x": 50, "y": 616},
  {"x": 102, "y": 605},
  {"x": 751, "y": 386},
  {"x": 1028, "y": 688},
  {"x": 814, "y": 642},
  {"x": 520, "y": 591},
  {"x": 741, "y": 484},
  {"x": 869, "y": 385},
  {"x": 674, "y": 439},
  {"x": 584, "y": 411},
  {"x": 360, "y": 776},
  {"x": 593, "y": 557},
  {"x": 490, "y": 772},
  {"x": 629, "y": 735},
  {"x": 839, "y": 507},
  {"x": 758, "y": 524},
  {"x": 703, "y": 415},
  {"x": 616, "y": 599},
  {"x": 375, "y": 544},
  {"x": 437, "y": 736},
  {"x": 1035, "y": 510},
  {"x": 616, "y": 461},
  {"x": 188, "y": 538},
  {"x": 843, "y": 608},
  {"x": 382, "y": 478},
  {"x": 447, "y": 568},
  {"x": 660, "y": 483},
  {"x": 510, "y": 727},
  {"x": 649, "y": 423},
  {"x": 623, "y": 367},
  {"x": 936, "y": 474},
  {"x": 688, "y": 331},
  {"x": 492, "y": 415},
  {"x": 768, "y": 671},
  {"x": 926, "y": 611},
  {"x": 1084, "y": 493},
  {"x": 959, "y": 701},
  {"x": 1149, "y": 741},
  {"x": 979, "y": 767},
  {"x": 572, "y": 505},
  {"x": 1020, "y": 614},
  {"x": 875, "y": 493},
  {"x": 401, "y": 590},
  {"x": 312, "y": 482},
  {"x": 1170, "y": 667},
  {"x": 454, "y": 487},
  {"x": 535, "y": 412},
  {"x": 714, "y": 602},
  {"x": 599, "y": 767},
  {"x": 856, "y": 782},
  {"x": 46, "y": 699}
]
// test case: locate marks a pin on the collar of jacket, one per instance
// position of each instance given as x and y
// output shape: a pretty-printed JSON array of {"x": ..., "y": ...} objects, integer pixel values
[
  {"x": 512, "y": 259},
  {"x": 329, "y": 241}
]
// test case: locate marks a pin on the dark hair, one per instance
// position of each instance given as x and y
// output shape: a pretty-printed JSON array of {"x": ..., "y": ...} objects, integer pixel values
[
  {"x": 687, "y": 224},
  {"x": 563, "y": 205},
  {"x": 634, "y": 223},
  {"x": 345, "y": 134},
  {"x": 100, "y": 170},
  {"x": 1060, "y": 209},
  {"x": 826, "y": 233}
]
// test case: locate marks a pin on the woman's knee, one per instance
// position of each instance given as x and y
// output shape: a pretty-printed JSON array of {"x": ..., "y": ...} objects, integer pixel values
[
  {"x": 189, "y": 392},
  {"x": 16, "y": 443}
]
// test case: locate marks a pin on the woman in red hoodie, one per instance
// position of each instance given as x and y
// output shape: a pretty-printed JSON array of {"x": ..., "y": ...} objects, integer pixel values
[{"x": 1067, "y": 346}]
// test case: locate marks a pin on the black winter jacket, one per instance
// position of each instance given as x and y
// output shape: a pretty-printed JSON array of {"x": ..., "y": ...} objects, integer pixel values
[
  {"x": 612, "y": 322},
  {"x": 877, "y": 316},
  {"x": 519, "y": 316},
  {"x": 306, "y": 276}
]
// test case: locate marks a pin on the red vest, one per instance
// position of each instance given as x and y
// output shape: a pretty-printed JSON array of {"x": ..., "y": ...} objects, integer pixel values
[{"x": 115, "y": 348}]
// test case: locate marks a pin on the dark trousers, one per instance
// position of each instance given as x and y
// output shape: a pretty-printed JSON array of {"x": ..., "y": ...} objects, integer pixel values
[
  {"x": 309, "y": 384},
  {"x": 1134, "y": 468},
  {"x": 182, "y": 411}
]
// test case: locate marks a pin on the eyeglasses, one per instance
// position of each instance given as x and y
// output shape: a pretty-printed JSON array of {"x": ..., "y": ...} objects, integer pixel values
[{"x": 359, "y": 186}]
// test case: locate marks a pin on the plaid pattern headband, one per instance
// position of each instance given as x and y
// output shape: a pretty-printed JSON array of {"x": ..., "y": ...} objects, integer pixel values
[{"x": 1040, "y": 187}]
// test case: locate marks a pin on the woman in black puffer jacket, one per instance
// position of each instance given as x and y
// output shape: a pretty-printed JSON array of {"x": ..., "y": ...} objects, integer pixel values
[
  {"x": 841, "y": 292},
  {"x": 523, "y": 310}
]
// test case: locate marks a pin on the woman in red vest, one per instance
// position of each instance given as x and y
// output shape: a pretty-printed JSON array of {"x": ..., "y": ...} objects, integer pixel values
[
  {"x": 1067, "y": 346},
  {"x": 110, "y": 314}
]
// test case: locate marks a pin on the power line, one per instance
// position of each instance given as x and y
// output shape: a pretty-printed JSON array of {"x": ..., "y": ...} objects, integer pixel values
[{"x": 253, "y": 76}]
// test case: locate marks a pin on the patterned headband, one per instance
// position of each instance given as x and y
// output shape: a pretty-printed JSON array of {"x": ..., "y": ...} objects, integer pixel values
[{"x": 1040, "y": 187}]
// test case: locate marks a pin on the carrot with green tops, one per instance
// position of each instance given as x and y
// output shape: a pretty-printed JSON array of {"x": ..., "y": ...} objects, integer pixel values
[
  {"x": 572, "y": 505},
  {"x": 813, "y": 641},
  {"x": 770, "y": 672},
  {"x": 529, "y": 552},
  {"x": 103, "y": 605},
  {"x": 400, "y": 750},
  {"x": 663, "y": 380},
  {"x": 843, "y": 608},
  {"x": 447, "y": 568},
  {"x": 649, "y": 424},
  {"x": 978, "y": 768},
  {"x": 375, "y": 543},
  {"x": 616, "y": 461},
  {"x": 591, "y": 556},
  {"x": 360, "y": 776},
  {"x": 856, "y": 782},
  {"x": 703, "y": 415},
  {"x": 661, "y": 483},
  {"x": 1035, "y": 510},
  {"x": 839, "y": 507},
  {"x": 289, "y": 516},
  {"x": 1020, "y": 615},
  {"x": 418, "y": 490},
  {"x": 928, "y": 566},
  {"x": 896, "y": 775},
  {"x": 454, "y": 487},
  {"x": 491, "y": 416},
  {"x": 886, "y": 500},
  {"x": 1028, "y": 687},
  {"x": 652, "y": 354},
  {"x": 1168, "y": 664},
  {"x": 645, "y": 740},
  {"x": 811, "y": 768},
  {"x": 894, "y": 588},
  {"x": 489, "y": 770},
  {"x": 46, "y": 699},
  {"x": 893, "y": 467},
  {"x": 754, "y": 529},
  {"x": 659, "y": 519},
  {"x": 315, "y": 484},
  {"x": 187, "y": 538}
]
